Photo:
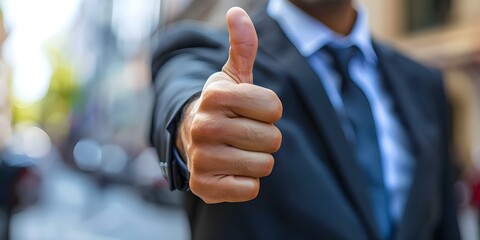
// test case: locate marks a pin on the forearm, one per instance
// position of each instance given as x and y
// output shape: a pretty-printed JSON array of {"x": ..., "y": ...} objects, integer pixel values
[{"x": 175, "y": 84}]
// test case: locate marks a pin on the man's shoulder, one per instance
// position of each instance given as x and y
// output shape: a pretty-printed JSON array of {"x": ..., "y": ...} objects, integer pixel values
[
  {"x": 188, "y": 37},
  {"x": 405, "y": 63}
]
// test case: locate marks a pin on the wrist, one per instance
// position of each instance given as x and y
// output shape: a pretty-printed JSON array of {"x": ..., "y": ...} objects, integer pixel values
[{"x": 182, "y": 137}]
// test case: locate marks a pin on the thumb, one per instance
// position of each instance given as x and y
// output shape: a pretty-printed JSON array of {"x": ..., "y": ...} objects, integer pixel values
[{"x": 243, "y": 46}]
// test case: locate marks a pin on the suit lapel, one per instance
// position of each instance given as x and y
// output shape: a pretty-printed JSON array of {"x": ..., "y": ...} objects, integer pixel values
[
  {"x": 275, "y": 44},
  {"x": 401, "y": 85},
  {"x": 398, "y": 82}
]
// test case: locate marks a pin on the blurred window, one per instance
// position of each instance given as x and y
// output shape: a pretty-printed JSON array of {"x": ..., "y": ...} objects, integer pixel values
[{"x": 422, "y": 14}]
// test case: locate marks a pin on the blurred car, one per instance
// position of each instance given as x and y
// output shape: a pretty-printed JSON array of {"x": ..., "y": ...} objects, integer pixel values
[{"x": 19, "y": 188}]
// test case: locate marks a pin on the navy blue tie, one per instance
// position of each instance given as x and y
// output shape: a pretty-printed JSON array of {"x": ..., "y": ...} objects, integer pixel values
[{"x": 365, "y": 143}]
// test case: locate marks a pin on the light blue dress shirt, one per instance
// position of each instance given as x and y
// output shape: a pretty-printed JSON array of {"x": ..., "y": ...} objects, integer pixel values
[{"x": 309, "y": 36}]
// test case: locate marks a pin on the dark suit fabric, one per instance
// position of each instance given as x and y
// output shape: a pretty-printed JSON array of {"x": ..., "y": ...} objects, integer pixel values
[{"x": 316, "y": 190}]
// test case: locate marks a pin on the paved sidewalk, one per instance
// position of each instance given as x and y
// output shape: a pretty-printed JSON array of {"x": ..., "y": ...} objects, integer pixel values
[{"x": 73, "y": 207}]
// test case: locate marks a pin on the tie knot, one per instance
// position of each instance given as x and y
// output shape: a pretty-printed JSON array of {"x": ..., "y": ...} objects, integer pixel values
[{"x": 341, "y": 55}]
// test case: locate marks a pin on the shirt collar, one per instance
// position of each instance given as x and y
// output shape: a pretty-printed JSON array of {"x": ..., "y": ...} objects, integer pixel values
[{"x": 313, "y": 35}]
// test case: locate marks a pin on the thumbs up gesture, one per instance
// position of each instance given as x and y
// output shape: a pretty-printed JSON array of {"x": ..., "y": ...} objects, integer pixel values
[{"x": 227, "y": 135}]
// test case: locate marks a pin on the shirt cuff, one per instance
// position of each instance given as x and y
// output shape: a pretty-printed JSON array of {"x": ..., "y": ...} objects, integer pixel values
[{"x": 181, "y": 175}]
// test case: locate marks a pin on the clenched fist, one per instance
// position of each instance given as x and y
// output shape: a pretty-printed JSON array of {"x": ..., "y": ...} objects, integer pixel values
[{"x": 227, "y": 135}]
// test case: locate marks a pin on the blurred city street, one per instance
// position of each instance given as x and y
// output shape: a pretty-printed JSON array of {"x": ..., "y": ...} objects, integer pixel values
[{"x": 72, "y": 205}]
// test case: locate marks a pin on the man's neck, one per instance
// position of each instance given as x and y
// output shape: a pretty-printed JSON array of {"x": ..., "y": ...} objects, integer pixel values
[{"x": 339, "y": 16}]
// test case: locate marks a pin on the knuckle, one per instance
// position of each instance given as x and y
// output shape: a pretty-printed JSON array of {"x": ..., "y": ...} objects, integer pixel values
[
  {"x": 278, "y": 110},
  {"x": 271, "y": 95},
  {"x": 216, "y": 95},
  {"x": 203, "y": 127},
  {"x": 268, "y": 165},
  {"x": 195, "y": 184},
  {"x": 211, "y": 95},
  {"x": 199, "y": 159},
  {"x": 276, "y": 106},
  {"x": 217, "y": 76},
  {"x": 202, "y": 189},
  {"x": 276, "y": 140},
  {"x": 252, "y": 190}
]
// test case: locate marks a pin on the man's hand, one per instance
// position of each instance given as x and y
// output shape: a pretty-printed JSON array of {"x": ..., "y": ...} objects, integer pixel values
[{"x": 227, "y": 136}]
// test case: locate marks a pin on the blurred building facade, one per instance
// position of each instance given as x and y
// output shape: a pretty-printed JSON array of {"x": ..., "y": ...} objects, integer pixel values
[
  {"x": 450, "y": 44},
  {"x": 445, "y": 37},
  {"x": 5, "y": 114},
  {"x": 100, "y": 178}
]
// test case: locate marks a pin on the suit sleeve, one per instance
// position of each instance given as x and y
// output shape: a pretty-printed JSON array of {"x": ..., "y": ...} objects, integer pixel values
[
  {"x": 186, "y": 56},
  {"x": 448, "y": 226}
]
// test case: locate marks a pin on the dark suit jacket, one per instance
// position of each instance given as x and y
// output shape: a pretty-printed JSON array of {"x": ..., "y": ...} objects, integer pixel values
[{"x": 316, "y": 190}]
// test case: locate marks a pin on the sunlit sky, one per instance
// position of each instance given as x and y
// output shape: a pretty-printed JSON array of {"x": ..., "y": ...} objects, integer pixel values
[{"x": 31, "y": 23}]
